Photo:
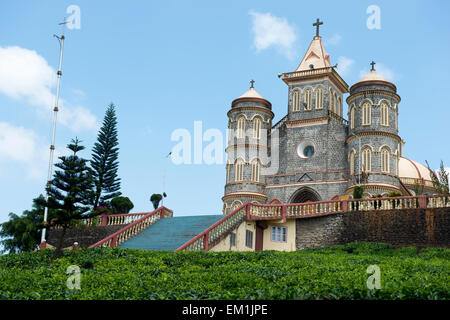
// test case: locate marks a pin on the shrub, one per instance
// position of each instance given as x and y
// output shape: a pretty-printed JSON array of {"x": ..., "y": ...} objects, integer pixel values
[{"x": 121, "y": 205}]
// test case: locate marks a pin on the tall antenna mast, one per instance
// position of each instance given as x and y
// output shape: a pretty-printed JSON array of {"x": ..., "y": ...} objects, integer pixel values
[{"x": 55, "y": 112}]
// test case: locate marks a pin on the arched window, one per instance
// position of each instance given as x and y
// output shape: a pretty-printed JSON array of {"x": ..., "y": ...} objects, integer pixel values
[
  {"x": 384, "y": 114},
  {"x": 366, "y": 114},
  {"x": 308, "y": 100},
  {"x": 296, "y": 101},
  {"x": 239, "y": 170},
  {"x": 257, "y": 128},
  {"x": 352, "y": 117},
  {"x": 352, "y": 162},
  {"x": 385, "y": 155},
  {"x": 319, "y": 98},
  {"x": 255, "y": 170},
  {"x": 331, "y": 101},
  {"x": 335, "y": 102},
  {"x": 228, "y": 172},
  {"x": 236, "y": 204},
  {"x": 366, "y": 160},
  {"x": 340, "y": 107},
  {"x": 241, "y": 127}
]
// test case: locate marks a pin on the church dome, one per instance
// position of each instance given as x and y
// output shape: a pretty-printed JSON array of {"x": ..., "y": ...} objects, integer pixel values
[
  {"x": 372, "y": 76},
  {"x": 413, "y": 170},
  {"x": 252, "y": 93},
  {"x": 253, "y": 97},
  {"x": 373, "y": 81}
]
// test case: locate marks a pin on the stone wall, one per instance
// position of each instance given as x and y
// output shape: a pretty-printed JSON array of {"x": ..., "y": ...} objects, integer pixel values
[
  {"x": 415, "y": 227},
  {"x": 84, "y": 236}
]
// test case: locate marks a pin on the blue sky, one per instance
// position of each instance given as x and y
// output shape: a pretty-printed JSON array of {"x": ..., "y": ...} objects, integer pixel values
[{"x": 166, "y": 64}]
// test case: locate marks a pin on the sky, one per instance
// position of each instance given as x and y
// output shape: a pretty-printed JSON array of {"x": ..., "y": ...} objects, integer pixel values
[{"x": 172, "y": 65}]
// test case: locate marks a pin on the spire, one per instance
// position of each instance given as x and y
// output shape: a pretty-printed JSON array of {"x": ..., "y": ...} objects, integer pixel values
[{"x": 315, "y": 56}]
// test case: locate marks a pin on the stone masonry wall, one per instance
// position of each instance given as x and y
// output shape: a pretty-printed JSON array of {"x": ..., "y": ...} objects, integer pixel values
[
  {"x": 84, "y": 236},
  {"x": 415, "y": 227}
]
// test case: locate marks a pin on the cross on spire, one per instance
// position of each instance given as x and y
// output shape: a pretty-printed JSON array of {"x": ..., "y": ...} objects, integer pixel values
[
  {"x": 251, "y": 83},
  {"x": 317, "y": 24},
  {"x": 373, "y": 66}
]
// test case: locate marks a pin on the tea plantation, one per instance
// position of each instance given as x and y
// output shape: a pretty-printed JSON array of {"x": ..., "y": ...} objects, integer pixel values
[{"x": 337, "y": 272}]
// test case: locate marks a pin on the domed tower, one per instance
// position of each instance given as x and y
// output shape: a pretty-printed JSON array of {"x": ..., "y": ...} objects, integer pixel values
[
  {"x": 250, "y": 120},
  {"x": 374, "y": 146}
]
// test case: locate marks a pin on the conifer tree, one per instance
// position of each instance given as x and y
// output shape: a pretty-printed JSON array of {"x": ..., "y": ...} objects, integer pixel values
[
  {"x": 104, "y": 161},
  {"x": 70, "y": 191}
]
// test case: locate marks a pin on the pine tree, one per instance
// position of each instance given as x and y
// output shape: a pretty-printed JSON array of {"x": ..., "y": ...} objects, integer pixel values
[
  {"x": 104, "y": 161},
  {"x": 70, "y": 191}
]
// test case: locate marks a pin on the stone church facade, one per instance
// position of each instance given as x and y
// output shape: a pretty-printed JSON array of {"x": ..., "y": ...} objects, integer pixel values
[{"x": 314, "y": 153}]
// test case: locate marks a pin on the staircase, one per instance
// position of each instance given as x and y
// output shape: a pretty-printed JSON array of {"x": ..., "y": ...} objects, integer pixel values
[{"x": 170, "y": 233}]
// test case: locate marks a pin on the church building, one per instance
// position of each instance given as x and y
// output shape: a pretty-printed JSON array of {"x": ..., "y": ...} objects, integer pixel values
[{"x": 315, "y": 152}]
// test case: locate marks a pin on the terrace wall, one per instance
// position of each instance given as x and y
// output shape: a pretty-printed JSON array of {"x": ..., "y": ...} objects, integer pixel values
[{"x": 407, "y": 227}]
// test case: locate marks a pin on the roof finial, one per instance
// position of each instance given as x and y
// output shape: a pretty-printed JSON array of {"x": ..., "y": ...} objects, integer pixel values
[
  {"x": 373, "y": 66},
  {"x": 317, "y": 24},
  {"x": 251, "y": 83}
]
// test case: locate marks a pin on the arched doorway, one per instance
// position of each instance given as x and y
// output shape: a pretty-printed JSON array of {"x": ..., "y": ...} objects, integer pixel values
[{"x": 305, "y": 195}]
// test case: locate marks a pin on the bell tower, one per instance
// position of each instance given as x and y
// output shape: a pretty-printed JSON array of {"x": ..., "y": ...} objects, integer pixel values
[{"x": 249, "y": 122}]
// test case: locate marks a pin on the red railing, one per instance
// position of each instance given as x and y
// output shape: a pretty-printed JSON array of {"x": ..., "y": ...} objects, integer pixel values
[
  {"x": 211, "y": 236},
  {"x": 254, "y": 211},
  {"x": 133, "y": 228}
]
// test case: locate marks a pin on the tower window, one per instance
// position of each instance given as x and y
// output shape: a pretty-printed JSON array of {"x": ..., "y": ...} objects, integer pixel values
[
  {"x": 331, "y": 100},
  {"x": 366, "y": 160},
  {"x": 255, "y": 170},
  {"x": 335, "y": 103},
  {"x": 366, "y": 114},
  {"x": 352, "y": 162},
  {"x": 257, "y": 128},
  {"x": 239, "y": 171},
  {"x": 308, "y": 102},
  {"x": 319, "y": 98},
  {"x": 384, "y": 114},
  {"x": 352, "y": 117},
  {"x": 385, "y": 160},
  {"x": 296, "y": 101},
  {"x": 241, "y": 127}
]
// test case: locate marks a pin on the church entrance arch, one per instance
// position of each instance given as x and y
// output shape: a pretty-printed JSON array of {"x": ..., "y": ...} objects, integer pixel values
[{"x": 305, "y": 194}]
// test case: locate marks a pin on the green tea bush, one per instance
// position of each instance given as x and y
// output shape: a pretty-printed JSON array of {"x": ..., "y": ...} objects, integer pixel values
[{"x": 336, "y": 272}]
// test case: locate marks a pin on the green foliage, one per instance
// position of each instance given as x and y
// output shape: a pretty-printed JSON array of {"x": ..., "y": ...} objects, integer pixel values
[
  {"x": 440, "y": 180},
  {"x": 121, "y": 205},
  {"x": 71, "y": 187},
  {"x": 105, "y": 162},
  {"x": 394, "y": 194},
  {"x": 70, "y": 191},
  {"x": 358, "y": 192},
  {"x": 337, "y": 272},
  {"x": 23, "y": 233},
  {"x": 155, "y": 199}
]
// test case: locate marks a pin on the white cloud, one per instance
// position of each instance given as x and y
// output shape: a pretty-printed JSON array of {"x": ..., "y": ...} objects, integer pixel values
[
  {"x": 24, "y": 148},
  {"x": 344, "y": 65},
  {"x": 333, "y": 40},
  {"x": 25, "y": 75},
  {"x": 269, "y": 31},
  {"x": 383, "y": 71}
]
